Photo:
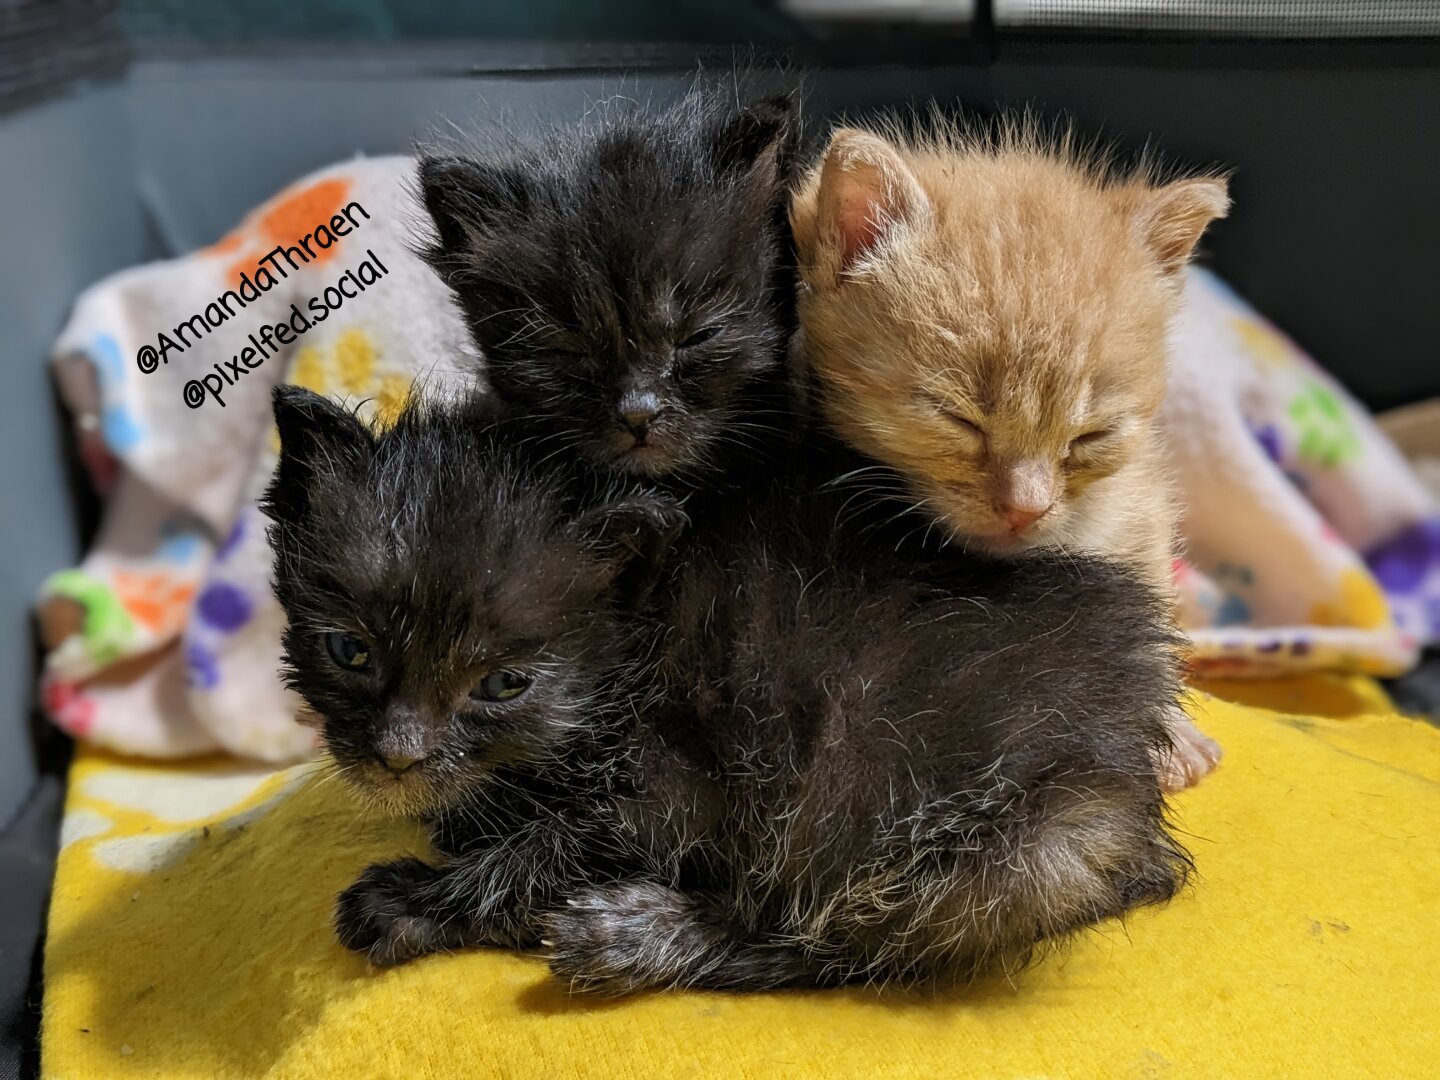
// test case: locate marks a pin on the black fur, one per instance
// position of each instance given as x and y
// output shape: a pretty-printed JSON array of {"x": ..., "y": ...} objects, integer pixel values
[
  {"x": 791, "y": 758},
  {"x": 640, "y": 269},
  {"x": 447, "y": 572}
]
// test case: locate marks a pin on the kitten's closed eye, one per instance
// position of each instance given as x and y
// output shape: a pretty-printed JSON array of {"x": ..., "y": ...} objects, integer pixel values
[
  {"x": 960, "y": 420},
  {"x": 501, "y": 686},
  {"x": 1090, "y": 441},
  {"x": 967, "y": 425},
  {"x": 699, "y": 337},
  {"x": 348, "y": 651}
]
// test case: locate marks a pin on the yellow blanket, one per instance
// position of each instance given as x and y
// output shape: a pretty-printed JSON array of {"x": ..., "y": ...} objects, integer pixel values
[{"x": 197, "y": 943}]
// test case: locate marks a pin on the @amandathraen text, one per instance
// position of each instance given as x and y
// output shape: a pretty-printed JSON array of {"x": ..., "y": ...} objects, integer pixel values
[{"x": 269, "y": 338}]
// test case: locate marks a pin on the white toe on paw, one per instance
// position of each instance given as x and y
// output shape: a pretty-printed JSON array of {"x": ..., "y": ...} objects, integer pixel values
[{"x": 1193, "y": 754}]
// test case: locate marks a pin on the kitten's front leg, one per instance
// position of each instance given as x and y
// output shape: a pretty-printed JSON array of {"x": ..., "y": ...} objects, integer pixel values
[
  {"x": 389, "y": 913},
  {"x": 500, "y": 891},
  {"x": 503, "y": 868},
  {"x": 405, "y": 909}
]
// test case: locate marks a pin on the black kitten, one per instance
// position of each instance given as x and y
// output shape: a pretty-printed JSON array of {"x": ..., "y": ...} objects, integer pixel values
[
  {"x": 756, "y": 760},
  {"x": 449, "y": 611},
  {"x": 631, "y": 287}
]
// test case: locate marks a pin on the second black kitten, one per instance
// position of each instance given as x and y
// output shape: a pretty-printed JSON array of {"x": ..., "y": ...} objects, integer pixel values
[
  {"x": 757, "y": 760},
  {"x": 631, "y": 285}
]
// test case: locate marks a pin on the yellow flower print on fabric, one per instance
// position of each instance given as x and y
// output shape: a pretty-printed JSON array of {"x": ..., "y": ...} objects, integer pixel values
[
  {"x": 389, "y": 399},
  {"x": 1262, "y": 343},
  {"x": 350, "y": 368},
  {"x": 1360, "y": 603},
  {"x": 354, "y": 361},
  {"x": 309, "y": 369}
]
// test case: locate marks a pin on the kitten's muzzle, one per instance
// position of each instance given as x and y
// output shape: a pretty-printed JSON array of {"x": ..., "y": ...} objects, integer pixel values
[
  {"x": 398, "y": 764},
  {"x": 1019, "y": 519},
  {"x": 405, "y": 738},
  {"x": 637, "y": 410}
]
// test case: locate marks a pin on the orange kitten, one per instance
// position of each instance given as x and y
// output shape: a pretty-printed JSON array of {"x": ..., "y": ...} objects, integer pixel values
[{"x": 988, "y": 318}]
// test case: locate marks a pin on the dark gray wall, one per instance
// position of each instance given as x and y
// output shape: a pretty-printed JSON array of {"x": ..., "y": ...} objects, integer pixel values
[{"x": 68, "y": 216}]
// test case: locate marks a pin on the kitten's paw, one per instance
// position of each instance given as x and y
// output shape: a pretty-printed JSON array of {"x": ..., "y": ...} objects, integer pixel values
[
  {"x": 620, "y": 938},
  {"x": 380, "y": 917},
  {"x": 1193, "y": 754}
]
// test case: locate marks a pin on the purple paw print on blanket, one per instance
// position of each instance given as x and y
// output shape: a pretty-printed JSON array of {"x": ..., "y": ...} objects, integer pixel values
[
  {"x": 201, "y": 668},
  {"x": 237, "y": 533},
  {"x": 1268, "y": 436},
  {"x": 1272, "y": 442},
  {"x": 1408, "y": 569},
  {"x": 224, "y": 607}
]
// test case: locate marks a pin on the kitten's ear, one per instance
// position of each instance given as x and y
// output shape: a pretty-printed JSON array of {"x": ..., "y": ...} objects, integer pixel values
[
  {"x": 633, "y": 534},
  {"x": 867, "y": 196},
  {"x": 318, "y": 439},
  {"x": 768, "y": 129},
  {"x": 1172, "y": 218},
  {"x": 466, "y": 197}
]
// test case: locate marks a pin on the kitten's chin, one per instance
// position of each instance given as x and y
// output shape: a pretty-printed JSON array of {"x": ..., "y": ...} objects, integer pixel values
[
  {"x": 411, "y": 795},
  {"x": 993, "y": 539},
  {"x": 643, "y": 461},
  {"x": 676, "y": 442},
  {"x": 654, "y": 458},
  {"x": 1011, "y": 546},
  {"x": 1000, "y": 544}
]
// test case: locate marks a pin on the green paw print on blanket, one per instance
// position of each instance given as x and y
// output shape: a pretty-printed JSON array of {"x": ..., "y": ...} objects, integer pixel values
[
  {"x": 108, "y": 627},
  {"x": 1326, "y": 437}
]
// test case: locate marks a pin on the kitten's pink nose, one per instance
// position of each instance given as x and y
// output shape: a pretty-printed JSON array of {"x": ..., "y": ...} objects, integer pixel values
[
  {"x": 1027, "y": 491},
  {"x": 1021, "y": 519}
]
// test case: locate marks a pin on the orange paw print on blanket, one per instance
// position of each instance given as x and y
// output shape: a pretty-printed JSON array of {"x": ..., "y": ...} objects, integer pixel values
[
  {"x": 285, "y": 221},
  {"x": 155, "y": 601},
  {"x": 350, "y": 368}
]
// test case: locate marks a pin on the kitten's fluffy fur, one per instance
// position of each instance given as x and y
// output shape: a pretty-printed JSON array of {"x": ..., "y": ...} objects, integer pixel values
[
  {"x": 763, "y": 761},
  {"x": 631, "y": 284},
  {"x": 985, "y": 314}
]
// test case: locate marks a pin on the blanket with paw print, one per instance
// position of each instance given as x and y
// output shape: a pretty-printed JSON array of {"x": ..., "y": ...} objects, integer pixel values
[
  {"x": 165, "y": 641},
  {"x": 190, "y": 937},
  {"x": 1310, "y": 544}
]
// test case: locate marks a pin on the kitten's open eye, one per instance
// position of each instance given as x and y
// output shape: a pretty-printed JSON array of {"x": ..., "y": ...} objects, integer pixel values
[
  {"x": 700, "y": 337},
  {"x": 501, "y": 686},
  {"x": 348, "y": 651}
]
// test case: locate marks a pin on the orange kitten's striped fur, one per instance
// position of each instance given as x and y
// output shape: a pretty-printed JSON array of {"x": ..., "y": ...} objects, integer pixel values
[{"x": 987, "y": 316}]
